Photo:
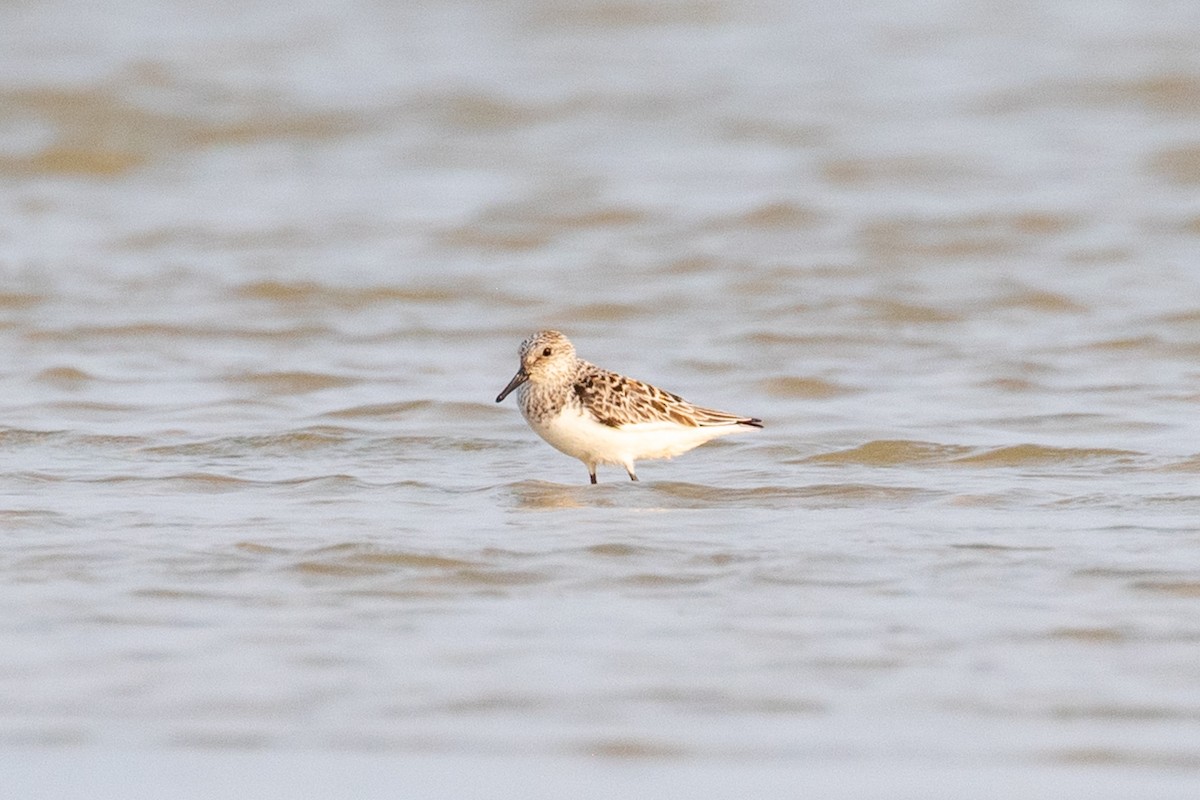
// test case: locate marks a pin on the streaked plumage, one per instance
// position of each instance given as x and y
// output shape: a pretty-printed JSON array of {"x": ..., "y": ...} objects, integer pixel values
[{"x": 601, "y": 417}]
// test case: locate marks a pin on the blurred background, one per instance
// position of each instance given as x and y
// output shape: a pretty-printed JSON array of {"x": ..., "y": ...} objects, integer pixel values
[{"x": 264, "y": 268}]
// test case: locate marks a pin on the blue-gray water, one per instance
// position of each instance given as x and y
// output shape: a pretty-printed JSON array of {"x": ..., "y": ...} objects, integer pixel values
[{"x": 264, "y": 268}]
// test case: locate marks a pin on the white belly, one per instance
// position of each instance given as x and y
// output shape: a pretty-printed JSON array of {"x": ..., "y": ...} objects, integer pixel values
[{"x": 592, "y": 442}]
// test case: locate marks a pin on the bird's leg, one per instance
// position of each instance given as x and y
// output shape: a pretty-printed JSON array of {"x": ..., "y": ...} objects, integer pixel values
[
  {"x": 592, "y": 475},
  {"x": 632, "y": 474}
]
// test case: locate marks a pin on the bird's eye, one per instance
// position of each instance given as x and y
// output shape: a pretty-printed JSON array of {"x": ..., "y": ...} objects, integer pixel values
[{"x": 546, "y": 352}]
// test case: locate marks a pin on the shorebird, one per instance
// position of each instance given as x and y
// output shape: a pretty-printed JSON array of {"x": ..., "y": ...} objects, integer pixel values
[{"x": 601, "y": 417}]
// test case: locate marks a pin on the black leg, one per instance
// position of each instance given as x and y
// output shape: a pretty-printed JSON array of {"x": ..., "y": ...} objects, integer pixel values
[
  {"x": 632, "y": 477},
  {"x": 592, "y": 475}
]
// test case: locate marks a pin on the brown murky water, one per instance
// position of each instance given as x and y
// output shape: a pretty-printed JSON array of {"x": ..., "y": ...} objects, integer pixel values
[{"x": 264, "y": 270}]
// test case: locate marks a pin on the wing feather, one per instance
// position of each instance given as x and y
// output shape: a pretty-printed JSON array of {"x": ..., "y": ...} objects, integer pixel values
[{"x": 616, "y": 401}]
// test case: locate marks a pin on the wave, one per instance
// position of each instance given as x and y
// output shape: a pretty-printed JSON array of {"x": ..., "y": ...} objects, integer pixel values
[{"x": 889, "y": 452}]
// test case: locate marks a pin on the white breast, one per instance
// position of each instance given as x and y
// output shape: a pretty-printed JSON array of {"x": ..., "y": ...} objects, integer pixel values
[{"x": 579, "y": 435}]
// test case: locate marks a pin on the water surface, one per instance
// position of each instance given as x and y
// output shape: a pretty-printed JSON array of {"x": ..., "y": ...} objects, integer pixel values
[{"x": 264, "y": 270}]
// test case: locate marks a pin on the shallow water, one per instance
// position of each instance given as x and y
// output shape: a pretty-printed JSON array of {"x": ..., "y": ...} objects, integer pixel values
[{"x": 265, "y": 271}]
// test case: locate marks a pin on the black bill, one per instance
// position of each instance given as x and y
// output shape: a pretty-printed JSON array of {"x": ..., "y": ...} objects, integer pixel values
[{"x": 517, "y": 380}]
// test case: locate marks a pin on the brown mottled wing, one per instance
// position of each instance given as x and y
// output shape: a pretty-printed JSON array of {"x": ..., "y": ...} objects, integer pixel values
[{"x": 616, "y": 400}]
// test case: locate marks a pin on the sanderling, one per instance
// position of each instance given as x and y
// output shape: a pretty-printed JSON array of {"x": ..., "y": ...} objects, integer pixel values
[{"x": 601, "y": 417}]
